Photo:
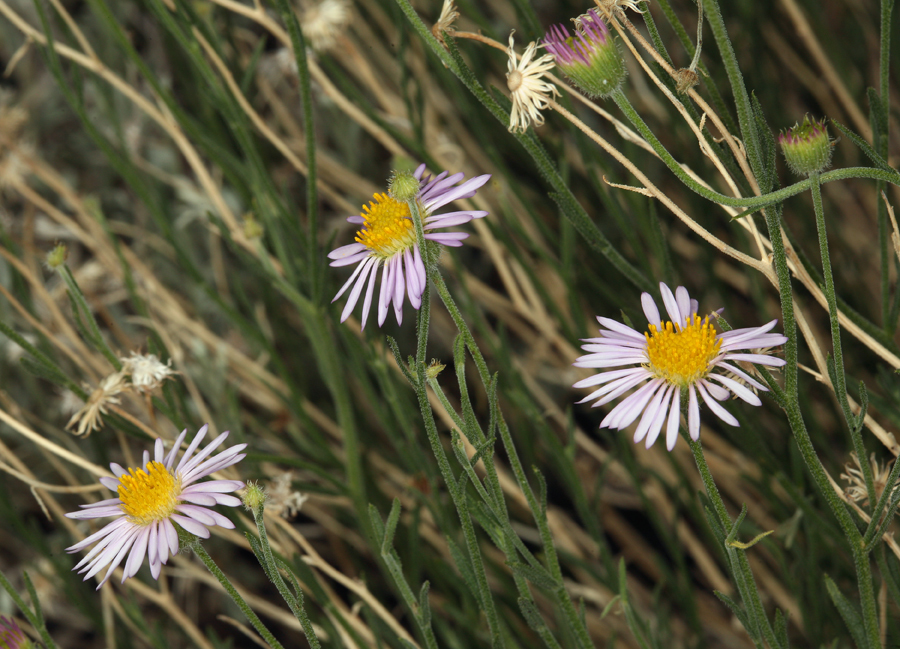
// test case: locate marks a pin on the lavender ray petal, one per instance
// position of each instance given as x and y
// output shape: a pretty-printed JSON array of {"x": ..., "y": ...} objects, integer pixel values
[
  {"x": 671, "y": 305},
  {"x": 693, "y": 414},
  {"x": 761, "y": 359},
  {"x": 674, "y": 420},
  {"x": 349, "y": 250},
  {"x": 740, "y": 390},
  {"x": 650, "y": 413},
  {"x": 367, "y": 303},
  {"x": 662, "y": 411},
  {"x": 718, "y": 410},
  {"x": 367, "y": 267},
  {"x": 190, "y": 525},
  {"x": 651, "y": 311},
  {"x": 741, "y": 373},
  {"x": 604, "y": 377},
  {"x": 351, "y": 280}
]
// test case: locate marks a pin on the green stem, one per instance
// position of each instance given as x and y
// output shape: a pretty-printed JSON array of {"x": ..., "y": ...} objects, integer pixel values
[
  {"x": 749, "y": 591},
  {"x": 742, "y": 100},
  {"x": 540, "y": 518},
  {"x": 801, "y": 435},
  {"x": 457, "y": 495},
  {"x": 881, "y": 145},
  {"x": 295, "y": 603},
  {"x": 187, "y": 539},
  {"x": 840, "y": 387},
  {"x": 35, "y": 618}
]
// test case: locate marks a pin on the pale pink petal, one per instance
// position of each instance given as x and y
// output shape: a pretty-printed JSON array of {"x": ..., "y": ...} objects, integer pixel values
[
  {"x": 684, "y": 303},
  {"x": 671, "y": 305},
  {"x": 693, "y": 415},
  {"x": 192, "y": 526},
  {"x": 650, "y": 414},
  {"x": 662, "y": 411},
  {"x": 740, "y": 390},
  {"x": 674, "y": 420},
  {"x": 719, "y": 411},
  {"x": 651, "y": 312}
]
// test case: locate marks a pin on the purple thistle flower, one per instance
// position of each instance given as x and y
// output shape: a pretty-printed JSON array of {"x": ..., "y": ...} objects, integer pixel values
[
  {"x": 683, "y": 354},
  {"x": 387, "y": 239},
  {"x": 590, "y": 57},
  {"x": 151, "y": 499},
  {"x": 806, "y": 146},
  {"x": 11, "y": 636}
]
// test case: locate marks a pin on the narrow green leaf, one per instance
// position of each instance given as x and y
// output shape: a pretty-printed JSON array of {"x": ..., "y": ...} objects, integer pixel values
[
  {"x": 537, "y": 576},
  {"x": 390, "y": 527},
  {"x": 880, "y": 162},
  {"x": 849, "y": 613},
  {"x": 424, "y": 605},
  {"x": 739, "y": 612}
]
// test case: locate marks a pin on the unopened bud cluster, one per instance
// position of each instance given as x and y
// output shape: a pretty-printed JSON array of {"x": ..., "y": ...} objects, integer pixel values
[{"x": 806, "y": 147}]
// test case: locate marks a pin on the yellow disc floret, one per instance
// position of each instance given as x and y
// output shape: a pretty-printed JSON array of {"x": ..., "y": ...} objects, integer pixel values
[
  {"x": 388, "y": 227},
  {"x": 149, "y": 494},
  {"x": 682, "y": 355}
]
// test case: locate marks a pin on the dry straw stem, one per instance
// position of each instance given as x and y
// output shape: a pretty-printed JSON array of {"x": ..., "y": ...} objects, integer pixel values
[
  {"x": 258, "y": 15},
  {"x": 835, "y": 81}
]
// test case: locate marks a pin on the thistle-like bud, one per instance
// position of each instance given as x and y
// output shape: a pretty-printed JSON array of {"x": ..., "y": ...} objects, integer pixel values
[
  {"x": 591, "y": 58},
  {"x": 11, "y": 636},
  {"x": 57, "y": 256},
  {"x": 806, "y": 147},
  {"x": 253, "y": 497},
  {"x": 403, "y": 186}
]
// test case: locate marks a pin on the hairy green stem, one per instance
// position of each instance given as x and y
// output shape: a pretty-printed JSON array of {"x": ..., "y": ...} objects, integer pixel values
[
  {"x": 840, "y": 387},
  {"x": 193, "y": 542},
  {"x": 35, "y": 618},
  {"x": 295, "y": 603},
  {"x": 457, "y": 495},
  {"x": 801, "y": 435},
  {"x": 743, "y": 573},
  {"x": 540, "y": 517}
]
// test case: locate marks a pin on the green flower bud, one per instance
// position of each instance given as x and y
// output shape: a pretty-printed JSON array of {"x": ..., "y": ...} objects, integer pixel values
[
  {"x": 590, "y": 58},
  {"x": 806, "y": 147},
  {"x": 254, "y": 497},
  {"x": 57, "y": 256},
  {"x": 403, "y": 186}
]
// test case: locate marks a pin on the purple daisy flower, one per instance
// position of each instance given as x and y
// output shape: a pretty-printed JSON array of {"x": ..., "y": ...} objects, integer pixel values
[
  {"x": 151, "y": 499},
  {"x": 388, "y": 238},
  {"x": 683, "y": 353}
]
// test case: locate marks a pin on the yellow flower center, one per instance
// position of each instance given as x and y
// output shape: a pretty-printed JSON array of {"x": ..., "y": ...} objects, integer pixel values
[
  {"x": 681, "y": 355},
  {"x": 388, "y": 227},
  {"x": 149, "y": 494}
]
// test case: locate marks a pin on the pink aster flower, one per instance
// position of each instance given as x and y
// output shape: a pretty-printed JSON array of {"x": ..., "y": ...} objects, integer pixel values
[
  {"x": 387, "y": 239},
  {"x": 670, "y": 357},
  {"x": 151, "y": 499}
]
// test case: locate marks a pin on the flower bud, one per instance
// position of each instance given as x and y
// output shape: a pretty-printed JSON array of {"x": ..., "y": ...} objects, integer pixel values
[
  {"x": 403, "y": 186},
  {"x": 590, "y": 58},
  {"x": 434, "y": 369},
  {"x": 57, "y": 256},
  {"x": 806, "y": 147},
  {"x": 253, "y": 497}
]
